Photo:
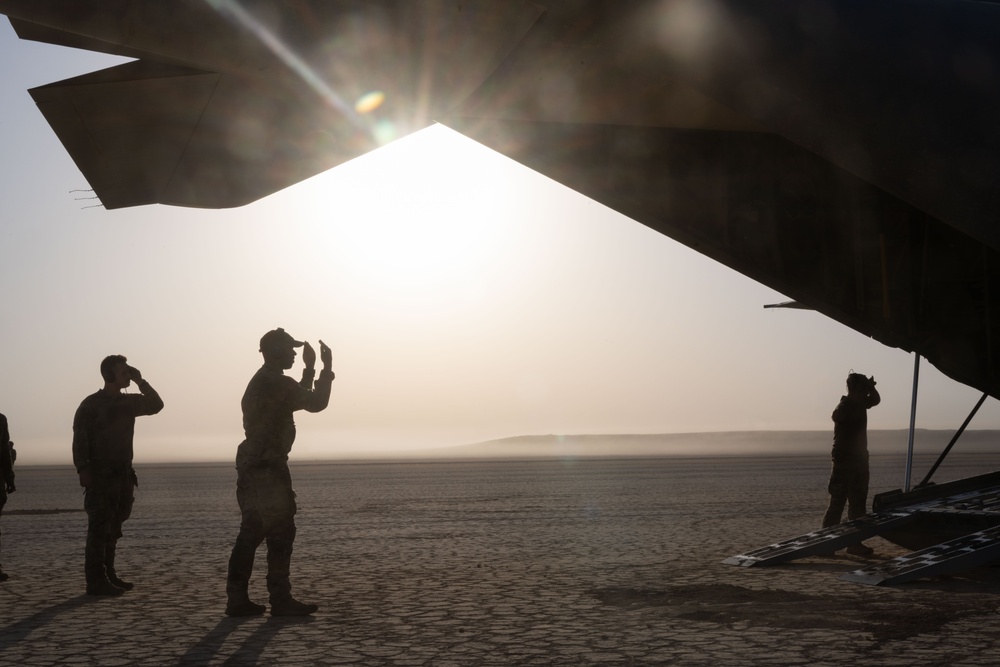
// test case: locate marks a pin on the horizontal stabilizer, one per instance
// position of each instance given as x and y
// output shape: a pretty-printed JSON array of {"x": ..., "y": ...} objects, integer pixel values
[{"x": 148, "y": 133}]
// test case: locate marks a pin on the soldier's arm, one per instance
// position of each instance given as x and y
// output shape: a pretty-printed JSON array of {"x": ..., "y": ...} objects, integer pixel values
[
  {"x": 319, "y": 397},
  {"x": 82, "y": 443},
  {"x": 310, "y": 396},
  {"x": 308, "y": 375},
  {"x": 301, "y": 396},
  {"x": 873, "y": 398},
  {"x": 321, "y": 393},
  {"x": 6, "y": 463},
  {"x": 149, "y": 402}
]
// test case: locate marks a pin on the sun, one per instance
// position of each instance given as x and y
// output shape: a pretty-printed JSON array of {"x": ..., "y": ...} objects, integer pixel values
[{"x": 418, "y": 215}]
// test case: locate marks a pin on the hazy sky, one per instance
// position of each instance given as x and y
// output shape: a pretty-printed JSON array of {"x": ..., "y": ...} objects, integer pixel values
[{"x": 465, "y": 298}]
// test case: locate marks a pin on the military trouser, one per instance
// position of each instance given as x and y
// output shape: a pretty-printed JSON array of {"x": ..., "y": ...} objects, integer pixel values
[
  {"x": 3, "y": 501},
  {"x": 108, "y": 502},
  {"x": 848, "y": 485},
  {"x": 267, "y": 504}
]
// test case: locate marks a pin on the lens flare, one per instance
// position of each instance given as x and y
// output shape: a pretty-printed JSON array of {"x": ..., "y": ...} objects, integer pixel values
[
  {"x": 385, "y": 132},
  {"x": 369, "y": 102},
  {"x": 235, "y": 10}
]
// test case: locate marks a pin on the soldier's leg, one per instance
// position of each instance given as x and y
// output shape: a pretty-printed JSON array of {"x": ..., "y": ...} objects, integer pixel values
[
  {"x": 123, "y": 510},
  {"x": 97, "y": 518},
  {"x": 278, "y": 510},
  {"x": 279, "y": 523},
  {"x": 279, "y": 588},
  {"x": 244, "y": 550},
  {"x": 279, "y": 559},
  {"x": 857, "y": 500},
  {"x": 99, "y": 501},
  {"x": 3, "y": 501},
  {"x": 838, "y": 496},
  {"x": 857, "y": 495},
  {"x": 238, "y": 602}
]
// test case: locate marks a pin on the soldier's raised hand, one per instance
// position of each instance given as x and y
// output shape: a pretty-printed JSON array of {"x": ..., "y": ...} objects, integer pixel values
[
  {"x": 308, "y": 355},
  {"x": 325, "y": 354}
]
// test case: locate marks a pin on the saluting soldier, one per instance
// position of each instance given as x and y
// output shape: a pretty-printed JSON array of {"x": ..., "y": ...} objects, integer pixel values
[
  {"x": 850, "y": 475},
  {"x": 103, "y": 430},
  {"x": 263, "y": 482}
]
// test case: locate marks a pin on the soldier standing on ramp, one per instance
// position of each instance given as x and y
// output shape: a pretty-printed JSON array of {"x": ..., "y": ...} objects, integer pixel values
[
  {"x": 263, "y": 482},
  {"x": 850, "y": 475}
]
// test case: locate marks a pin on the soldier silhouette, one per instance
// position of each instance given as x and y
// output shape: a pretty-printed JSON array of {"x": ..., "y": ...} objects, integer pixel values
[
  {"x": 850, "y": 474},
  {"x": 103, "y": 430},
  {"x": 7, "y": 456},
  {"x": 264, "y": 483}
]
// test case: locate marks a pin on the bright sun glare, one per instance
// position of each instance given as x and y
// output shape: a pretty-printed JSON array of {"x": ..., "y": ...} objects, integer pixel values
[{"x": 421, "y": 240}]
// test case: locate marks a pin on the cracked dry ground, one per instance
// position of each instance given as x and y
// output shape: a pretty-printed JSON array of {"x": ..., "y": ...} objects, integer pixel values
[
  {"x": 733, "y": 606},
  {"x": 585, "y": 562}
]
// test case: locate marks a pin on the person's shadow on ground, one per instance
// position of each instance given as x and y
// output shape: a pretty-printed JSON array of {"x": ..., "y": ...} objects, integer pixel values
[
  {"x": 19, "y": 631},
  {"x": 248, "y": 653}
]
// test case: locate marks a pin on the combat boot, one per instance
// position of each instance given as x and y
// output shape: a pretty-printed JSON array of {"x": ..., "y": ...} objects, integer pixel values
[
  {"x": 860, "y": 549},
  {"x": 110, "y": 550},
  {"x": 239, "y": 603},
  {"x": 124, "y": 585},
  {"x": 104, "y": 587},
  {"x": 279, "y": 554},
  {"x": 245, "y": 607},
  {"x": 289, "y": 606}
]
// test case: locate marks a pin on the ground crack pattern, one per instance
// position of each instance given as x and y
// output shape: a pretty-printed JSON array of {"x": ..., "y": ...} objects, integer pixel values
[{"x": 730, "y": 605}]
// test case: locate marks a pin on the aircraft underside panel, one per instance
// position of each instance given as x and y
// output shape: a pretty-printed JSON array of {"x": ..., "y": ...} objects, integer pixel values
[{"x": 790, "y": 220}]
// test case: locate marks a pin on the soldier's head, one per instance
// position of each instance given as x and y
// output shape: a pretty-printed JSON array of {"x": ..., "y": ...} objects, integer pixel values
[
  {"x": 278, "y": 348},
  {"x": 857, "y": 383},
  {"x": 114, "y": 370}
]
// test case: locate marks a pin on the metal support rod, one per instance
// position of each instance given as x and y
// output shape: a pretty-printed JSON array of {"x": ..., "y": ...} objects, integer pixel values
[
  {"x": 953, "y": 440},
  {"x": 913, "y": 420}
]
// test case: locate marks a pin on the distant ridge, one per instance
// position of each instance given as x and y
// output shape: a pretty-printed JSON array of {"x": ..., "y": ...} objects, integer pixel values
[{"x": 716, "y": 443}]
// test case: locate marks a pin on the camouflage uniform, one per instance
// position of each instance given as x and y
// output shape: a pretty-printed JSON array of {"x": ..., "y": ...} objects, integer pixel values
[
  {"x": 6, "y": 465},
  {"x": 849, "y": 476},
  {"x": 263, "y": 483},
  {"x": 103, "y": 430}
]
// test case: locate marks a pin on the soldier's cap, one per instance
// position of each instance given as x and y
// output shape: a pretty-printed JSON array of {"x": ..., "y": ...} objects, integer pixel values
[{"x": 278, "y": 339}]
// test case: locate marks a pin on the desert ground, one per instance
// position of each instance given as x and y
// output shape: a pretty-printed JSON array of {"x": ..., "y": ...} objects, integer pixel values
[{"x": 571, "y": 561}]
